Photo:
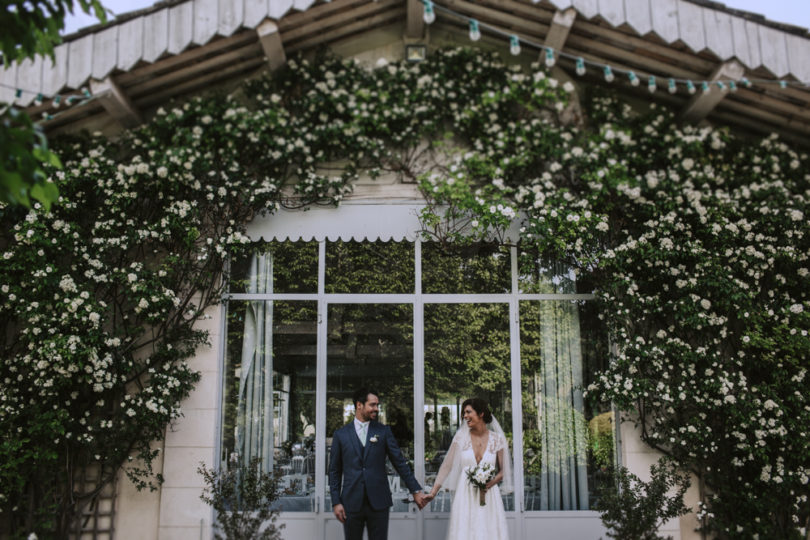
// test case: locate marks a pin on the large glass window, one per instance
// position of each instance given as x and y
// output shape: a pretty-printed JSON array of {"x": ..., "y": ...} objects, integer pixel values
[
  {"x": 539, "y": 275},
  {"x": 286, "y": 358},
  {"x": 470, "y": 269},
  {"x": 276, "y": 267},
  {"x": 369, "y": 267},
  {"x": 466, "y": 355},
  {"x": 371, "y": 345},
  {"x": 567, "y": 441},
  {"x": 269, "y": 393}
]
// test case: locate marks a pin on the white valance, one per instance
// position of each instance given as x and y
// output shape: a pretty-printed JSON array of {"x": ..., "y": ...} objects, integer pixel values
[
  {"x": 357, "y": 222},
  {"x": 347, "y": 222}
]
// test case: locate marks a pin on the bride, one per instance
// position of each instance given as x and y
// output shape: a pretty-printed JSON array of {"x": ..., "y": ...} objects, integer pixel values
[{"x": 480, "y": 440}]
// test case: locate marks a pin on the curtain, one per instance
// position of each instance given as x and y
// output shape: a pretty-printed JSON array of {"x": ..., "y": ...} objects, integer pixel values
[
  {"x": 564, "y": 431},
  {"x": 254, "y": 432}
]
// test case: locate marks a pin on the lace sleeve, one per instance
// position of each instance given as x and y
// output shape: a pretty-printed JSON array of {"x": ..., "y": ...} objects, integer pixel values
[
  {"x": 504, "y": 462},
  {"x": 446, "y": 471},
  {"x": 450, "y": 470}
]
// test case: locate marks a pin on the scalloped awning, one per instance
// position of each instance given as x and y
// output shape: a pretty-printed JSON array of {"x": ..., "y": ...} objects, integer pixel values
[
  {"x": 358, "y": 222},
  {"x": 346, "y": 222}
]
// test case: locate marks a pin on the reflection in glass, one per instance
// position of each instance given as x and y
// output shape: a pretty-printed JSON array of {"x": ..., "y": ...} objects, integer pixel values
[
  {"x": 269, "y": 393},
  {"x": 567, "y": 442},
  {"x": 280, "y": 267},
  {"x": 539, "y": 275},
  {"x": 469, "y": 269},
  {"x": 370, "y": 267},
  {"x": 467, "y": 354},
  {"x": 371, "y": 345}
]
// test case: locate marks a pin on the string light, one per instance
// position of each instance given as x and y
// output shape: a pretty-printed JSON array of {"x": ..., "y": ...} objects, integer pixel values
[
  {"x": 57, "y": 100},
  {"x": 550, "y": 60},
  {"x": 580, "y": 66},
  {"x": 514, "y": 45},
  {"x": 428, "y": 15},
  {"x": 580, "y": 63},
  {"x": 475, "y": 33}
]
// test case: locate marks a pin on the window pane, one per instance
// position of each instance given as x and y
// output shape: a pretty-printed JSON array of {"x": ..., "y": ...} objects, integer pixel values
[
  {"x": 467, "y": 354},
  {"x": 371, "y": 345},
  {"x": 269, "y": 393},
  {"x": 291, "y": 267},
  {"x": 538, "y": 275},
  {"x": 567, "y": 440},
  {"x": 472, "y": 269},
  {"x": 369, "y": 267}
]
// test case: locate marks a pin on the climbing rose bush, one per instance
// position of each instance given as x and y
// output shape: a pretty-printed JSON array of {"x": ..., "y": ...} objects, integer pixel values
[
  {"x": 693, "y": 239},
  {"x": 696, "y": 243}
]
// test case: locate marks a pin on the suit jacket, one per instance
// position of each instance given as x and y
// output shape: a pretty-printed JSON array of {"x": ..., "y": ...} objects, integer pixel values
[{"x": 355, "y": 469}]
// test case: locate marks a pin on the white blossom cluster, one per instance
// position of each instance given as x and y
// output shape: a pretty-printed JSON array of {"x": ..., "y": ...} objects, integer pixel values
[{"x": 698, "y": 245}]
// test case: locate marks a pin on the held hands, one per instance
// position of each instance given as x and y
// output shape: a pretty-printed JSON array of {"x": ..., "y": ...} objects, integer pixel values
[
  {"x": 430, "y": 496},
  {"x": 420, "y": 499}
]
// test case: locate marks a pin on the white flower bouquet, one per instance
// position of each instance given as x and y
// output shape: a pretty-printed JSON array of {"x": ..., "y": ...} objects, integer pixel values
[{"x": 478, "y": 477}]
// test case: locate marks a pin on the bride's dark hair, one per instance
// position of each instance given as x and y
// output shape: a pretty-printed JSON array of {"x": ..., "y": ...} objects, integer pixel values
[{"x": 479, "y": 406}]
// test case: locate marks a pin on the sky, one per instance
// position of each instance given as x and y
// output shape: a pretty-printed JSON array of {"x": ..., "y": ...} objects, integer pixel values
[{"x": 796, "y": 12}]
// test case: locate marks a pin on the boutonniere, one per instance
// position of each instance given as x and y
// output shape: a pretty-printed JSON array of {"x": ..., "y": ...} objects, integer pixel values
[{"x": 373, "y": 439}]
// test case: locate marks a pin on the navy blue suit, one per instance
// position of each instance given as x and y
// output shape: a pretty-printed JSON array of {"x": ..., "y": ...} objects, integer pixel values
[{"x": 358, "y": 481}]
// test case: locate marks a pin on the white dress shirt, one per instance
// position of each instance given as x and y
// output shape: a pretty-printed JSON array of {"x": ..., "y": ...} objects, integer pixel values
[{"x": 358, "y": 428}]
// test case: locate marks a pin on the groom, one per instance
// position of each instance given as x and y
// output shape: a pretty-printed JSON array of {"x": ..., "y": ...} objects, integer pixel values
[{"x": 358, "y": 482}]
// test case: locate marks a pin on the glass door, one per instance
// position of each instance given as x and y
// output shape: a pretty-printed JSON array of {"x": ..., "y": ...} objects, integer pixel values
[
  {"x": 467, "y": 354},
  {"x": 371, "y": 345}
]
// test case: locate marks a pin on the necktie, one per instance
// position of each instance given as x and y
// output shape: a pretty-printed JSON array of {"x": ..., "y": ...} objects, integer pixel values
[{"x": 363, "y": 434}]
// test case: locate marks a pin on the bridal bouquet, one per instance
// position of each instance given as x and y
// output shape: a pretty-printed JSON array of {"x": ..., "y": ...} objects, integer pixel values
[{"x": 478, "y": 476}]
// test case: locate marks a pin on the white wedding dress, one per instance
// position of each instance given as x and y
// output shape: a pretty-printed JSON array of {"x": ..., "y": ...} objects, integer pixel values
[{"x": 468, "y": 519}]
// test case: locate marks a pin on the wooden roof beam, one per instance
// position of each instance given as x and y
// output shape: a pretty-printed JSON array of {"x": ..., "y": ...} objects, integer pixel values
[
  {"x": 270, "y": 38},
  {"x": 561, "y": 24},
  {"x": 415, "y": 26},
  {"x": 115, "y": 102},
  {"x": 704, "y": 102}
]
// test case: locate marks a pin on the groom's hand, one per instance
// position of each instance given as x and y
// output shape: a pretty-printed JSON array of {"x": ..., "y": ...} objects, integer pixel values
[
  {"x": 340, "y": 512},
  {"x": 419, "y": 499}
]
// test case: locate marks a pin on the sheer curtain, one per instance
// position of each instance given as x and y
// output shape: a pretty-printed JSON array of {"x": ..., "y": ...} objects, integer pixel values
[
  {"x": 254, "y": 432},
  {"x": 564, "y": 431}
]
